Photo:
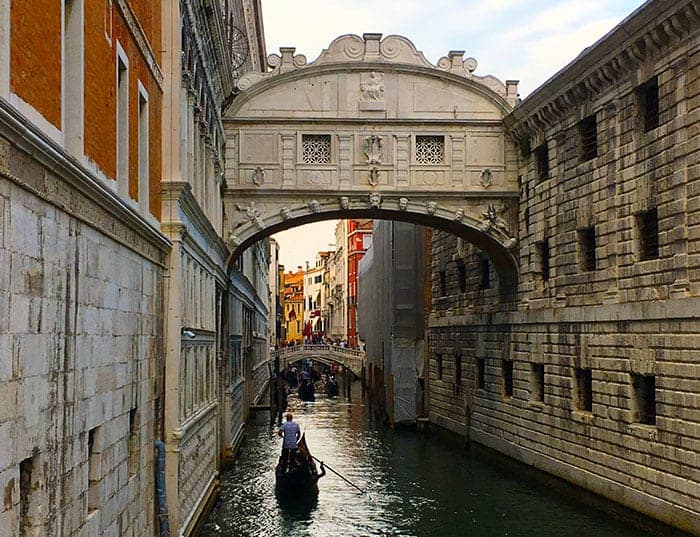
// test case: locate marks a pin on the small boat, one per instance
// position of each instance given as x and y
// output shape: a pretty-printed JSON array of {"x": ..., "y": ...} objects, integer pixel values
[
  {"x": 306, "y": 391},
  {"x": 300, "y": 474},
  {"x": 332, "y": 388}
]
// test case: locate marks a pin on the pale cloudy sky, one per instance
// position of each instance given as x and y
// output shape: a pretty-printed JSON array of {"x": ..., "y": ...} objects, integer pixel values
[{"x": 526, "y": 40}]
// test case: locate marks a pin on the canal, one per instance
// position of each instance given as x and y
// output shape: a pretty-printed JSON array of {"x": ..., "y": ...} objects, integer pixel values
[{"x": 418, "y": 485}]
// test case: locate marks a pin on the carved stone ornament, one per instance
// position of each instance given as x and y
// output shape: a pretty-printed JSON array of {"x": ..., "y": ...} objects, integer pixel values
[
  {"x": 486, "y": 177},
  {"x": 285, "y": 213},
  {"x": 459, "y": 215},
  {"x": 344, "y": 202},
  {"x": 234, "y": 239},
  {"x": 403, "y": 204},
  {"x": 375, "y": 200},
  {"x": 252, "y": 212},
  {"x": 374, "y": 176},
  {"x": 258, "y": 176},
  {"x": 372, "y": 148},
  {"x": 431, "y": 207},
  {"x": 373, "y": 88},
  {"x": 511, "y": 243},
  {"x": 491, "y": 219},
  {"x": 314, "y": 206}
]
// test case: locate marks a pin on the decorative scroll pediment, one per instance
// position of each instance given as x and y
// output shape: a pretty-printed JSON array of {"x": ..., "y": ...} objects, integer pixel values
[{"x": 372, "y": 49}]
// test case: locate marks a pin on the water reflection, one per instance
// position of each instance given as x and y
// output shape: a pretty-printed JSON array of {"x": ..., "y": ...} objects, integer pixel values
[{"x": 417, "y": 486}]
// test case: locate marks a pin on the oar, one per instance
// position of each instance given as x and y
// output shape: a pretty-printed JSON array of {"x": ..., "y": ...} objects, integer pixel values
[{"x": 339, "y": 475}]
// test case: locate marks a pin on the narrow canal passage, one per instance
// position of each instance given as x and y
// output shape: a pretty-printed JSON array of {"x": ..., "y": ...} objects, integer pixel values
[{"x": 418, "y": 485}]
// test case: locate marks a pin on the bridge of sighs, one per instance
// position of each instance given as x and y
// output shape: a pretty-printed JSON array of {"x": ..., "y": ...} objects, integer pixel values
[{"x": 371, "y": 129}]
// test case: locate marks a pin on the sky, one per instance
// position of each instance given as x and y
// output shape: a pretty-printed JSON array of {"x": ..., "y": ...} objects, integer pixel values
[{"x": 525, "y": 40}]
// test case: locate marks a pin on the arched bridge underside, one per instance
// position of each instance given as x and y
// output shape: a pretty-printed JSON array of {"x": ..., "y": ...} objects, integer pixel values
[
  {"x": 371, "y": 129},
  {"x": 327, "y": 354}
]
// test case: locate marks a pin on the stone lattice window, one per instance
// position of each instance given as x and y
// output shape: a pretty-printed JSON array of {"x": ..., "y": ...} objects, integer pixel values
[
  {"x": 316, "y": 148},
  {"x": 430, "y": 149}
]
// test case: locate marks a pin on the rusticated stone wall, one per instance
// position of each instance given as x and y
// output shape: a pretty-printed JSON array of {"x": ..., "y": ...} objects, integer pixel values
[
  {"x": 591, "y": 372},
  {"x": 79, "y": 345}
]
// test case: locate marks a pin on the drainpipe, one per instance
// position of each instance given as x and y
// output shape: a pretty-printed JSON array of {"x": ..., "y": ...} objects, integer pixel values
[{"x": 163, "y": 522}]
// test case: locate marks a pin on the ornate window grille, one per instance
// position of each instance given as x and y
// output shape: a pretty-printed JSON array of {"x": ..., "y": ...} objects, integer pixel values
[
  {"x": 430, "y": 149},
  {"x": 316, "y": 148}
]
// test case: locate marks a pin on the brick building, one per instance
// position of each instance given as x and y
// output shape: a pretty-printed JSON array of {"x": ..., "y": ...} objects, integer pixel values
[{"x": 590, "y": 372}]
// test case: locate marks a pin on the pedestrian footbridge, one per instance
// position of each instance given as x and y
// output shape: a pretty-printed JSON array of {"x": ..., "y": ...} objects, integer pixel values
[{"x": 328, "y": 354}]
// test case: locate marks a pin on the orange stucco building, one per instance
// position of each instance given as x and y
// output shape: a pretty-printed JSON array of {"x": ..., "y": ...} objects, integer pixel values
[{"x": 87, "y": 72}]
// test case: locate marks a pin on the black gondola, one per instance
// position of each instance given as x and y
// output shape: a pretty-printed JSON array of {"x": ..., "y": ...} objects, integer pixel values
[
  {"x": 332, "y": 388},
  {"x": 301, "y": 473},
  {"x": 306, "y": 391}
]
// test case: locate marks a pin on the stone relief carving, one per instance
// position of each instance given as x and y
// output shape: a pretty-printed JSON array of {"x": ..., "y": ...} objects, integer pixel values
[
  {"x": 316, "y": 177},
  {"x": 491, "y": 220},
  {"x": 373, "y": 88},
  {"x": 234, "y": 240},
  {"x": 252, "y": 212},
  {"x": 375, "y": 200},
  {"x": 431, "y": 207},
  {"x": 485, "y": 178},
  {"x": 403, "y": 204},
  {"x": 461, "y": 247},
  {"x": 371, "y": 48},
  {"x": 314, "y": 206},
  {"x": 459, "y": 215},
  {"x": 285, "y": 213},
  {"x": 344, "y": 202},
  {"x": 374, "y": 176},
  {"x": 372, "y": 148},
  {"x": 258, "y": 175}
]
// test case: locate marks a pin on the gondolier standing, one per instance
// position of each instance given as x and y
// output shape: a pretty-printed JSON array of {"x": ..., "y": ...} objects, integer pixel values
[{"x": 290, "y": 432}]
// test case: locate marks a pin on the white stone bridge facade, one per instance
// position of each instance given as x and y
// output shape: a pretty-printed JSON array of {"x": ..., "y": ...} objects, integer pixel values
[
  {"x": 371, "y": 129},
  {"x": 351, "y": 359}
]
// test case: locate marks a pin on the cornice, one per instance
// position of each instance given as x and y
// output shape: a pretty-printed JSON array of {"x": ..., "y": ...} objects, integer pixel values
[
  {"x": 180, "y": 193},
  {"x": 139, "y": 36},
  {"x": 653, "y": 28},
  {"x": 116, "y": 219}
]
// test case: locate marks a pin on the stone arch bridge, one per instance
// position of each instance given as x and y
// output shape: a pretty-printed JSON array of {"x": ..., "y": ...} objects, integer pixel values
[
  {"x": 371, "y": 129},
  {"x": 328, "y": 354}
]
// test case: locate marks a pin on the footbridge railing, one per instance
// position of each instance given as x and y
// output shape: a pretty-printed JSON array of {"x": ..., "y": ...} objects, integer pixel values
[{"x": 327, "y": 354}]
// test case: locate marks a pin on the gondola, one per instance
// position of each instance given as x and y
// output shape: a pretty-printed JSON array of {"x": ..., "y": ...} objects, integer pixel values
[
  {"x": 332, "y": 388},
  {"x": 301, "y": 474},
  {"x": 306, "y": 391}
]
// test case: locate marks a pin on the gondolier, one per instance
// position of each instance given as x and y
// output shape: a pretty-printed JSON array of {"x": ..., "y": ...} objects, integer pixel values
[{"x": 290, "y": 432}]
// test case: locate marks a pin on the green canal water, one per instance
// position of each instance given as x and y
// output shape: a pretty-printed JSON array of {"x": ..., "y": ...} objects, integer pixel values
[{"x": 418, "y": 485}]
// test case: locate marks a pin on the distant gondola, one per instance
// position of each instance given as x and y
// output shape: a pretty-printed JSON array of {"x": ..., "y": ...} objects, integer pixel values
[
  {"x": 301, "y": 473},
  {"x": 332, "y": 388},
  {"x": 306, "y": 391}
]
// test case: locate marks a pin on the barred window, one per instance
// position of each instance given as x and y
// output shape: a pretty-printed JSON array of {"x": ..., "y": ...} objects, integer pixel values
[
  {"x": 430, "y": 149},
  {"x": 583, "y": 389},
  {"x": 648, "y": 230},
  {"x": 537, "y": 382},
  {"x": 484, "y": 272},
  {"x": 542, "y": 161},
  {"x": 543, "y": 254},
  {"x": 316, "y": 148},
  {"x": 644, "y": 399},
  {"x": 648, "y": 101},
  {"x": 462, "y": 276},
  {"x": 507, "y": 378},
  {"x": 588, "y": 138},
  {"x": 586, "y": 239}
]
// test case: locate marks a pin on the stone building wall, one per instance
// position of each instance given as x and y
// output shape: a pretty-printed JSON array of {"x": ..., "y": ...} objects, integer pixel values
[
  {"x": 591, "y": 373},
  {"x": 80, "y": 325}
]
